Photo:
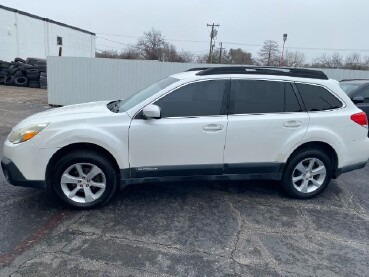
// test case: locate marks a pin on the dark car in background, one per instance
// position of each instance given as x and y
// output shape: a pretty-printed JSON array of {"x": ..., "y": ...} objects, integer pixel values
[{"x": 358, "y": 91}]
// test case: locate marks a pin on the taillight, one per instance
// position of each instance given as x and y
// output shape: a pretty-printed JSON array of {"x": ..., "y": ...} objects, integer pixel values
[{"x": 360, "y": 118}]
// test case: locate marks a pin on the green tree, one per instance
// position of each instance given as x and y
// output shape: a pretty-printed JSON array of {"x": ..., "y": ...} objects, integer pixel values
[{"x": 237, "y": 56}]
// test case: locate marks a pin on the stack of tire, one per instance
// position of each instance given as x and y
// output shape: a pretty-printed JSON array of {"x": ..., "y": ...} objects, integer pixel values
[{"x": 24, "y": 73}]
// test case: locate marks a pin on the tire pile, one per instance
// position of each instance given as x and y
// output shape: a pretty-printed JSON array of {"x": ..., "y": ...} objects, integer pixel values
[{"x": 24, "y": 73}]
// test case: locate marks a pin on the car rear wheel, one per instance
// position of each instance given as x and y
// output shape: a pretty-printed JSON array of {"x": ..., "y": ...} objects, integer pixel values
[
  {"x": 307, "y": 174},
  {"x": 85, "y": 180}
]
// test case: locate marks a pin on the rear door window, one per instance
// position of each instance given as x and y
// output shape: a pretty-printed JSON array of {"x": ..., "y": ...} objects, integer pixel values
[
  {"x": 257, "y": 97},
  {"x": 317, "y": 98}
]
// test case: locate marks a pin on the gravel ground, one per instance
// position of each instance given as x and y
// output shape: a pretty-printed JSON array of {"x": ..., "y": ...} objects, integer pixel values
[{"x": 182, "y": 229}]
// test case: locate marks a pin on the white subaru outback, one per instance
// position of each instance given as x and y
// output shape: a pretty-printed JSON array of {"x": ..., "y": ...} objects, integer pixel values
[{"x": 226, "y": 123}]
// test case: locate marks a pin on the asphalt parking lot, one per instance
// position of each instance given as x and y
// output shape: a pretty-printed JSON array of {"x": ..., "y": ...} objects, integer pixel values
[{"x": 181, "y": 229}]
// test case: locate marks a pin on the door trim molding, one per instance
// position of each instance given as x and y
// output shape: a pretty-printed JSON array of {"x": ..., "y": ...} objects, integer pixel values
[{"x": 212, "y": 172}]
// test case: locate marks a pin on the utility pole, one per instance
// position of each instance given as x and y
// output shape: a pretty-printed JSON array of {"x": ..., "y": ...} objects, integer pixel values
[
  {"x": 213, "y": 34},
  {"x": 220, "y": 52}
]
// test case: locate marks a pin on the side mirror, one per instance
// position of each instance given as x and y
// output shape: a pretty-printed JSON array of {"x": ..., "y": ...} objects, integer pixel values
[
  {"x": 358, "y": 99},
  {"x": 151, "y": 112}
]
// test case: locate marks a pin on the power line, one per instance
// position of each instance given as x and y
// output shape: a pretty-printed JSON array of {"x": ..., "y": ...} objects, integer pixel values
[
  {"x": 168, "y": 39},
  {"x": 117, "y": 35},
  {"x": 302, "y": 48},
  {"x": 130, "y": 45},
  {"x": 125, "y": 44},
  {"x": 246, "y": 44}
]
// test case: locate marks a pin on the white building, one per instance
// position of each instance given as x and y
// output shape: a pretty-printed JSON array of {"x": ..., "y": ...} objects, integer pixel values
[{"x": 26, "y": 35}]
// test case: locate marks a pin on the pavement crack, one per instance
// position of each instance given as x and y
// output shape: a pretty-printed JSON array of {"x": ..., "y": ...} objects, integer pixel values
[
  {"x": 20, "y": 266},
  {"x": 111, "y": 264},
  {"x": 163, "y": 246},
  {"x": 237, "y": 239}
]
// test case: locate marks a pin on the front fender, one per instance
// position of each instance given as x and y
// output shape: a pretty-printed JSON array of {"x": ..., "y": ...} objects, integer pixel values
[{"x": 112, "y": 138}]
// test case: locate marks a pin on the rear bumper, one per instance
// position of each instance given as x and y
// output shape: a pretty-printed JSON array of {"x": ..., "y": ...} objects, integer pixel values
[
  {"x": 16, "y": 178},
  {"x": 349, "y": 168}
]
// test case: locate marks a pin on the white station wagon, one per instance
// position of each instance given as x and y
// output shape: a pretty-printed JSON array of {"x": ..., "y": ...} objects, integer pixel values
[{"x": 225, "y": 123}]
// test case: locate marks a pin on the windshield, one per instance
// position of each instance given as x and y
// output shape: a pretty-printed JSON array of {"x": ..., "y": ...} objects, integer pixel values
[
  {"x": 349, "y": 88},
  {"x": 142, "y": 95}
]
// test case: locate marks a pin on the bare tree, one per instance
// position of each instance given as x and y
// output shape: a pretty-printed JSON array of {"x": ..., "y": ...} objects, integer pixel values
[
  {"x": 366, "y": 62},
  {"x": 186, "y": 57},
  {"x": 269, "y": 53},
  {"x": 108, "y": 54},
  {"x": 327, "y": 61},
  {"x": 204, "y": 58},
  {"x": 336, "y": 60},
  {"x": 151, "y": 45},
  {"x": 169, "y": 53},
  {"x": 323, "y": 61},
  {"x": 353, "y": 61},
  {"x": 130, "y": 53},
  {"x": 294, "y": 59}
]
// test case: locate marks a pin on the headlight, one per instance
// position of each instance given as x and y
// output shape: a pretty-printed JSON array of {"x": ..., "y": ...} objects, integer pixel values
[{"x": 26, "y": 133}]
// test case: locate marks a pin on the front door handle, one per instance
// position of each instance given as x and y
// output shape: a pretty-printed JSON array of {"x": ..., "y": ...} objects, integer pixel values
[
  {"x": 292, "y": 124},
  {"x": 213, "y": 128}
]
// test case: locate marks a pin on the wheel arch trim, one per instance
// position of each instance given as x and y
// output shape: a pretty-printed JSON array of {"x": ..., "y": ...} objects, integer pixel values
[{"x": 79, "y": 146}]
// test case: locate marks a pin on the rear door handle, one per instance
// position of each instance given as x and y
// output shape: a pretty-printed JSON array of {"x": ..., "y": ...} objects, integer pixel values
[
  {"x": 213, "y": 128},
  {"x": 292, "y": 124}
]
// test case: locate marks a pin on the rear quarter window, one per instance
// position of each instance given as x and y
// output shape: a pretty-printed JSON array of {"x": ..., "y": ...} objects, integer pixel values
[{"x": 317, "y": 98}]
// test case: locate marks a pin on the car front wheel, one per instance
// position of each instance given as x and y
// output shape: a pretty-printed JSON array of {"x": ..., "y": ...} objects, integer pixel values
[{"x": 84, "y": 180}]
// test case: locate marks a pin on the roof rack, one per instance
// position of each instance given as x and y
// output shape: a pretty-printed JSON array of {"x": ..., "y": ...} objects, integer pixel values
[
  {"x": 197, "y": 69},
  {"x": 279, "y": 71}
]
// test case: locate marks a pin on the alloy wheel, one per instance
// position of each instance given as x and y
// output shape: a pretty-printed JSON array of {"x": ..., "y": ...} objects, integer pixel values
[
  {"x": 309, "y": 175},
  {"x": 83, "y": 182}
]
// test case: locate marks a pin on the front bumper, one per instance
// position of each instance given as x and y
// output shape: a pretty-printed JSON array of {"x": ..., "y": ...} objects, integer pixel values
[
  {"x": 30, "y": 160},
  {"x": 16, "y": 178}
]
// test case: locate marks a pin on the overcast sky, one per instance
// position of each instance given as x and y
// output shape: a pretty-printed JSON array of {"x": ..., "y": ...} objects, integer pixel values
[{"x": 328, "y": 24}]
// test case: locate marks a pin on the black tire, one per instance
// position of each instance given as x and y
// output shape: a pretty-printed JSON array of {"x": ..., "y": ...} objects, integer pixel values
[
  {"x": 9, "y": 81},
  {"x": 13, "y": 70},
  {"x": 21, "y": 82},
  {"x": 41, "y": 69},
  {"x": 31, "y": 61},
  {"x": 33, "y": 71},
  {"x": 34, "y": 78},
  {"x": 16, "y": 64},
  {"x": 33, "y": 74},
  {"x": 287, "y": 183},
  {"x": 33, "y": 84},
  {"x": 18, "y": 73},
  {"x": 2, "y": 79},
  {"x": 88, "y": 157},
  {"x": 19, "y": 60},
  {"x": 25, "y": 67},
  {"x": 5, "y": 65}
]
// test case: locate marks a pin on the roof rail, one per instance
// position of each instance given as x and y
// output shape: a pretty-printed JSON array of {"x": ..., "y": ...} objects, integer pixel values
[
  {"x": 344, "y": 80},
  {"x": 279, "y": 71},
  {"x": 197, "y": 69}
]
